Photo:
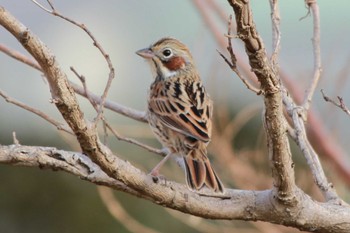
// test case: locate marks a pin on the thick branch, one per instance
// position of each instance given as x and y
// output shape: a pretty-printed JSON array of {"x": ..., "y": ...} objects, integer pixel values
[
  {"x": 243, "y": 205},
  {"x": 281, "y": 162},
  {"x": 74, "y": 163}
]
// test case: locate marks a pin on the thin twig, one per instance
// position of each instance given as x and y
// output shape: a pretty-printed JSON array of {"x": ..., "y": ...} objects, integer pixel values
[
  {"x": 37, "y": 112},
  {"x": 97, "y": 45},
  {"x": 20, "y": 57},
  {"x": 83, "y": 81},
  {"x": 133, "y": 141},
  {"x": 15, "y": 140},
  {"x": 300, "y": 137},
  {"x": 312, "y": 4},
  {"x": 42, "y": 7},
  {"x": 233, "y": 63},
  {"x": 313, "y": 160},
  {"x": 116, "y": 107},
  {"x": 340, "y": 105},
  {"x": 276, "y": 33}
]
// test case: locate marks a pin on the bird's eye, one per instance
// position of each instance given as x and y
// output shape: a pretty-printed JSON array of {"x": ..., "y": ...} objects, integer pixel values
[{"x": 167, "y": 53}]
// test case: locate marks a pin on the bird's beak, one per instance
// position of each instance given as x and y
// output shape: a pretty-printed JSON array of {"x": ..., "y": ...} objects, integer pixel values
[{"x": 146, "y": 53}]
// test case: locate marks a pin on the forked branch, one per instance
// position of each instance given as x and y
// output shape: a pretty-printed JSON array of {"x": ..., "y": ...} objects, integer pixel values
[
  {"x": 340, "y": 104},
  {"x": 111, "y": 76},
  {"x": 276, "y": 127}
]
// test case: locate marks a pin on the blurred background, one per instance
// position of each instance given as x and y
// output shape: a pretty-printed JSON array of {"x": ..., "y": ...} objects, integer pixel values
[{"x": 33, "y": 200}]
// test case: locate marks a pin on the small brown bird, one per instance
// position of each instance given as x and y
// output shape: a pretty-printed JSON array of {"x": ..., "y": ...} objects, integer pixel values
[{"x": 180, "y": 111}]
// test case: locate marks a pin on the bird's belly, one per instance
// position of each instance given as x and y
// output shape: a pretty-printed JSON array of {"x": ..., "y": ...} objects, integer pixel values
[{"x": 166, "y": 136}]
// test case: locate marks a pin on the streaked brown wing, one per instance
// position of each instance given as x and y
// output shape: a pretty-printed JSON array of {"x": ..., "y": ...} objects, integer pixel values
[{"x": 185, "y": 108}]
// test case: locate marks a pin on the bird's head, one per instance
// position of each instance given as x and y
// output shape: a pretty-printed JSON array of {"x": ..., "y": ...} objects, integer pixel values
[{"x": 168, "y": 57}]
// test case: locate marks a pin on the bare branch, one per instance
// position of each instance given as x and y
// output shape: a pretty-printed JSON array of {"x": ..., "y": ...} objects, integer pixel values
[
  {"x": 312, "y": 4},
  {"x": 320, "y": 137},
  {"x": 233, "y": 63},
  {"x": 248, "y": 205},
  {"x": 116, "y": 107},
  {"x": 20, "y": 57},
  {"x": 313, "y": 160},
  {"x": 276, "y": 33},
  {"x": 98, "y": 110},
  {"x": 42, "y": 7},
  {"x": 135, "y": 142},
  {"x": 300, "y": 137},
  {"x": 15, "y": 140},
  {"x": 276, "y": 127},
  {"x": 86, "y": 91},
  {"x": 58, "y": 125},
  {"x": 97, "y": 45},
  {"x": 51, "y": 158},
  {"x": 340, "y": 105},
  {"x": 205, "y": 14}
]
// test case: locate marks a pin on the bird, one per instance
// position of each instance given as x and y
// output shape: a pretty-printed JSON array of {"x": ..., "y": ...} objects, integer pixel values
[{"x": 180, "y": 111}]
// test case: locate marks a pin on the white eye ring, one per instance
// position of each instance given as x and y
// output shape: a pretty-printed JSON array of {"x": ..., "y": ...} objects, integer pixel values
[{"x": 167, "y": 52}]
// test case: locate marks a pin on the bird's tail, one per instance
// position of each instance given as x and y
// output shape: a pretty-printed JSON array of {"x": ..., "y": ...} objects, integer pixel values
[{"x": 199, "y": 173}]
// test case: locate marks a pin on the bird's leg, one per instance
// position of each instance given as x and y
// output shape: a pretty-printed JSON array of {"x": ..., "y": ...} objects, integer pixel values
[{"x": 155, "y": 170}]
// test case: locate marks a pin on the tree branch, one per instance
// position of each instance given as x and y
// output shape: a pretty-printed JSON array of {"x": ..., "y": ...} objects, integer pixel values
[
  {"x": 233, "y": 63},
  {"x": 111, "y": 75},
  {"x": 340, "y": 105},
  {"x": 276, "y": 33},
  {"x": 242, "y": 205},
  {"x": 300, "y": 137},
  {"x": 59, "y": 125},
  {"x": 312, "y": 4},
  {"x": 280, "y": 155}
]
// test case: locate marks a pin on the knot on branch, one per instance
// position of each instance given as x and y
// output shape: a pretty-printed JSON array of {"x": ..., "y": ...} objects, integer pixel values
[
  {"x": 285, "y": 201},
  {"x": 24, "y": 37}
]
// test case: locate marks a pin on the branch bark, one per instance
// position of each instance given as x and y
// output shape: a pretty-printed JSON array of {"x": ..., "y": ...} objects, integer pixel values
[
  {"x": 280, "y": 155},
  {"x": 241, "y": 204}
]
